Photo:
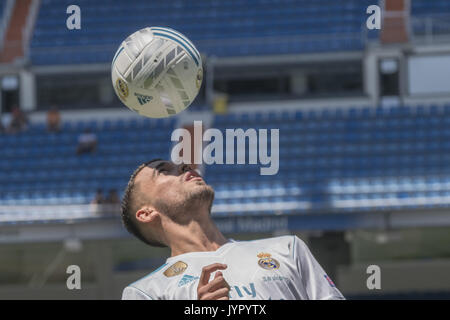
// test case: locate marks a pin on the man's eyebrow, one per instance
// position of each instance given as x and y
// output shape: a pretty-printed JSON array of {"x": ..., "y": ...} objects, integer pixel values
[{"x": 159, "y": 167}]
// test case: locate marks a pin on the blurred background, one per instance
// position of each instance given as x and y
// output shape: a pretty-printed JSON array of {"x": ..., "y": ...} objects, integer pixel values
[{"x": 363, "y": 115}]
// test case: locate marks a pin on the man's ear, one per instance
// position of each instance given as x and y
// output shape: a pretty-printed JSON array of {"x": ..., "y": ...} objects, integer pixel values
[{"x": 147, "y": 215}]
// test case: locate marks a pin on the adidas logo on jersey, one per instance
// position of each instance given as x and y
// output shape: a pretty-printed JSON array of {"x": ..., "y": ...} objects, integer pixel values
[
  {"x": 186, "y": 279},
  {"x": 143, "y": 99}
]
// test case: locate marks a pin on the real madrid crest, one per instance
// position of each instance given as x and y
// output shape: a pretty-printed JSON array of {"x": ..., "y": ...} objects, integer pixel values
[
  {"x": 175, "y": 269},
  {"x": 267, "y": 262}
]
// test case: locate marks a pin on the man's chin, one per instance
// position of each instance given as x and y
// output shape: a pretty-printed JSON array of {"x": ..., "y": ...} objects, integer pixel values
[
  {"x": 198, "y": 195},
  {"x": 201, "y": 191}
]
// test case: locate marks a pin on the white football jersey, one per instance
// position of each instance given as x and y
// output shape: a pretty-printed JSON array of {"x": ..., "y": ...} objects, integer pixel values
[{"x": 280, "y": 268}]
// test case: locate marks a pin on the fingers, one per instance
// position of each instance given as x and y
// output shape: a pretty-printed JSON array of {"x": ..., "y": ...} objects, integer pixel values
[
  {"x": 216, "y": 284},
  {"x": 207, "y": 270},
  {"x": 220, "y": 294},
  {"x": 216, "y": 289}
]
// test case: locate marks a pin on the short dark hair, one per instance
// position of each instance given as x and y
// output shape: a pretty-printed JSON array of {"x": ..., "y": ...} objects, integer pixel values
[{"x": 129, "y": 208}]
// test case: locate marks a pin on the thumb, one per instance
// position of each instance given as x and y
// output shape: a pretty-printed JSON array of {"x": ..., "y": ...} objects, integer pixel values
[{"x": 218, "y": 274}]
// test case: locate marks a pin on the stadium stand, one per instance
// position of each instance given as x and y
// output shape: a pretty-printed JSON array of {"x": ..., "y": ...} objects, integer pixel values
[
  {"x": 435, "y": 8},
  {"x": 229, "y": 28},
  {"x": 430, "y": 17},
  {"x": 330, "y": 160},
  {"x": 232, "y": 28},
  {"x": 366, "y": 158},
  {"x": 38, "y": 167}
]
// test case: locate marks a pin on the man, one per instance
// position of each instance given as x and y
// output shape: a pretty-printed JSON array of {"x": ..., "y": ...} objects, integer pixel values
[
  {"x": 113, "y": 197},
  {"x": 19, "y": 121},
  {"x": 170, "y": 205},
  {"x": 53, "y": 120},
  {"x": 98, "y": 198}
]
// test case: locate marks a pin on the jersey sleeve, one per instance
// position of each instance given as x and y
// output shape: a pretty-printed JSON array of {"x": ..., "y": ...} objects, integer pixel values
[
  {"x": 132, "y": 293},
  {"x": 315, "y": 281}
]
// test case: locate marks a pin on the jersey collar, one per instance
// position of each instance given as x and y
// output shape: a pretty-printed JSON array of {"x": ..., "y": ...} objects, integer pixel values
[{"x": 202, "y": 253}]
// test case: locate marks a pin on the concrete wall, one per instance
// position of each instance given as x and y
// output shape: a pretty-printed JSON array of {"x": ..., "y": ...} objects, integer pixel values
[{"x": 397, "y": 277}]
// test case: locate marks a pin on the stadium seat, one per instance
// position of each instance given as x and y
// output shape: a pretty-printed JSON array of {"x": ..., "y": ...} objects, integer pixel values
[
  {"x": 359, "y": 159},
  {"x": 233, "y": 23}
]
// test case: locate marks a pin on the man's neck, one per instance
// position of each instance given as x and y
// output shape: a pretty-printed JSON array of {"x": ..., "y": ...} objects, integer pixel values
[{"x": 196, "y": 236}]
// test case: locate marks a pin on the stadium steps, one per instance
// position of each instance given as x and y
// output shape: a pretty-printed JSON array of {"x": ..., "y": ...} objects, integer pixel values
[{"x": 14, "y": 36}]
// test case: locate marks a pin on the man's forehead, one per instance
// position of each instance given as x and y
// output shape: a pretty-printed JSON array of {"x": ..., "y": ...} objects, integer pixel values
[
  {"x": 159, "y": 163},
  {"x": 155, "y": 163},
  {"x": 150, "y": 169}
]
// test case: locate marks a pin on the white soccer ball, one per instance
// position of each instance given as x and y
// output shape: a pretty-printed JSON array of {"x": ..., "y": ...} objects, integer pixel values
[{"x": 157, "y": 72}]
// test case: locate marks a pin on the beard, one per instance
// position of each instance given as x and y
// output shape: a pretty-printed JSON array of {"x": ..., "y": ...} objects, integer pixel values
[{"x": 184, "y": 207}]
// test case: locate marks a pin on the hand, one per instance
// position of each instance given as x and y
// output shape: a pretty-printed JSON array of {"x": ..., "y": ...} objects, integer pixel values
[{"x": 218, "y": 288}]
